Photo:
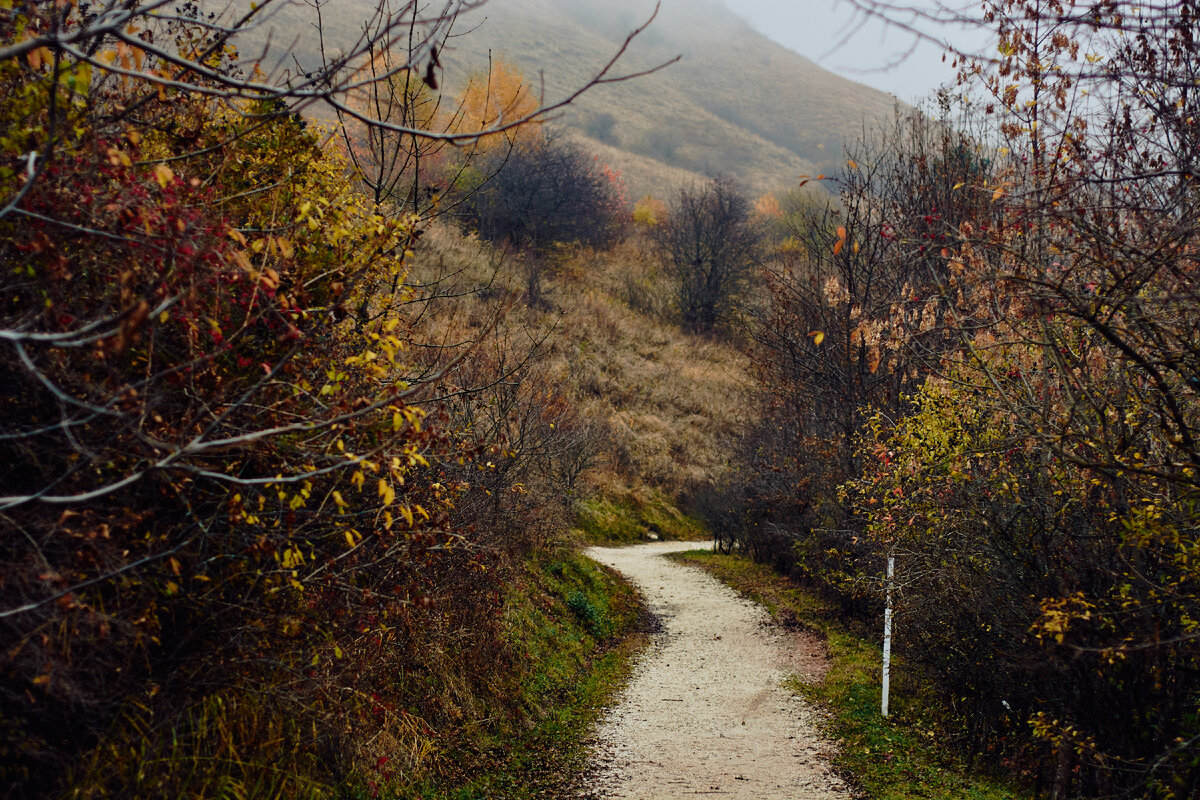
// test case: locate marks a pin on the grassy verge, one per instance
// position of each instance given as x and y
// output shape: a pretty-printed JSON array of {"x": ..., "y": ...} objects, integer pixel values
[
  {"x": 575, "y": 627},
  {"x": 638, "y": 516},
  {"x": 897, "y": 758}
]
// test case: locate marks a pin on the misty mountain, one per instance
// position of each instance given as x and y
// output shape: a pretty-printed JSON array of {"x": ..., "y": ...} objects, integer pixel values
[{"x": 735, "y": 103}]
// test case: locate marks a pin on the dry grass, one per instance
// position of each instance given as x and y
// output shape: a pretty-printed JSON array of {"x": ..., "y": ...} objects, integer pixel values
[{"x": 672, "y": 402}]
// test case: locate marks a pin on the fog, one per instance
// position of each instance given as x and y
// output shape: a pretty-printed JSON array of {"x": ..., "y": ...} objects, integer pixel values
[
  {"x": 843, "y": 40},
  {"x": 835, "y": 35}
]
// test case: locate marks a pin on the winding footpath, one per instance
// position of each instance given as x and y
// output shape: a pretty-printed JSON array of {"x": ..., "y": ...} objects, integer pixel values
[{"x": 706, "y": 712}]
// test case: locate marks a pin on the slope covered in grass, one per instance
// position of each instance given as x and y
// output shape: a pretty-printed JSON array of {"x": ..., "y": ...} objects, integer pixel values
[
  {"x": 666, "y": 404},
  {"x": 736, "y": 103}
]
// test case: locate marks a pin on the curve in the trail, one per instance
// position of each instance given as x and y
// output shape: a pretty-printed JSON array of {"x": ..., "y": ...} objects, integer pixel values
[{"x": 706, "y": 712}]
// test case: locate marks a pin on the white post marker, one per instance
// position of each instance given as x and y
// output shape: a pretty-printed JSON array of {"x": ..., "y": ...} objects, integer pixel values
[{"x": 887, "y": 632}]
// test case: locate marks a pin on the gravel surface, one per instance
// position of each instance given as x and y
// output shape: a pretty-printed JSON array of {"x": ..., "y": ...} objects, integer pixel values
[{"x": 706, "y": 712}]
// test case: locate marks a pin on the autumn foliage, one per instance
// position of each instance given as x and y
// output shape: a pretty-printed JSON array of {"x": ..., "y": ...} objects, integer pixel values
[
  {"x": 249, "y": 503},
  {"x": 499, "y": 96},
  {"x": 979, "y": 360}
]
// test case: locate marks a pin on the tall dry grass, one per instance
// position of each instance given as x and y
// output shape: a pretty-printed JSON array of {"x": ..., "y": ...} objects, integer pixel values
[{"x": 601, "y": 326}]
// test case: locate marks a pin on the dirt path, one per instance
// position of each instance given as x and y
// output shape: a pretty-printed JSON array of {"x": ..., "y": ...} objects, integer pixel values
[{"x": 705, "y": 713}]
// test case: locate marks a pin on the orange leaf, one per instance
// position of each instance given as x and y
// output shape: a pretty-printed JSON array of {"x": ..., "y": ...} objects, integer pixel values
[{"x": 841, "y": 242}]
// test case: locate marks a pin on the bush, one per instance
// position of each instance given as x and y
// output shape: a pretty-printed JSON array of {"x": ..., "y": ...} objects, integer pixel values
[
  {"x": 710, "y": 247},
  {"x": 547, "y": 191}
]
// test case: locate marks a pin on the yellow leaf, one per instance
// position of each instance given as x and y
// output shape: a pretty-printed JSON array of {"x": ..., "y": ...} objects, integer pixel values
[
  {"x": 996, "y": 195},
  {"x": 164, "y": 175},
  {"x": 818, "y": 337},
  {"x": 959, "y": 185},
  {"x": 386, "y": 492},
  {"x": 852, "y": 164}
]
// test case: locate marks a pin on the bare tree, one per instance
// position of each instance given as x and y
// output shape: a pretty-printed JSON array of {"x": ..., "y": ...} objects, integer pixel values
[{"x": 710, "y": 247}]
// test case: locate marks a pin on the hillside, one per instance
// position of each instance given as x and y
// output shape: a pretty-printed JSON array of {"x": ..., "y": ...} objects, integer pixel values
[{"x": 735, "y": 103}]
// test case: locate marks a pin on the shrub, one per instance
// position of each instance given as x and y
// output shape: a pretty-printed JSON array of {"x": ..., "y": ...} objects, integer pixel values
[
  {"x": 547, "y": 191},
  {"x": 710, "y": 247}
]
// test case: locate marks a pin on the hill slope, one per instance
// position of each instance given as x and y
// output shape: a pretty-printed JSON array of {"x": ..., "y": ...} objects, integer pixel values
[{"x": 735, "y": 103}]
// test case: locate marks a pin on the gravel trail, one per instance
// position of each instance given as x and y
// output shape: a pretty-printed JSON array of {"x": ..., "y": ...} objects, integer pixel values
[{"x": 706, "y": 712}]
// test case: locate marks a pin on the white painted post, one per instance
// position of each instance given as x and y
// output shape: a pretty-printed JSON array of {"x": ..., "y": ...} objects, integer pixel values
[{"x": 887, "y": 632}]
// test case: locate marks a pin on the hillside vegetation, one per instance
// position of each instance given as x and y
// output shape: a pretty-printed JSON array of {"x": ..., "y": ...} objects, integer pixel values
[
  {"x": 315, "y": 376},
  {"x": 289, "y": 473},
  {"x": 736, "y": 103}
]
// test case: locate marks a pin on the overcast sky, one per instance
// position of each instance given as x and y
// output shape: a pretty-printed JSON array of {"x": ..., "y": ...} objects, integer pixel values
[{"x": 833, "y": 34}]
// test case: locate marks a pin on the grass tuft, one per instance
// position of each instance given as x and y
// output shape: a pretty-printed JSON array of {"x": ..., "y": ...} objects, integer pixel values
[
  {"x": 575, "y": 628},
  {"x": 635, "y": 517}
]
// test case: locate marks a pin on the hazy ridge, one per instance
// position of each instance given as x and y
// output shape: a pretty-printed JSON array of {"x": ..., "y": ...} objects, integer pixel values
[{"x": 735, "y": 103}]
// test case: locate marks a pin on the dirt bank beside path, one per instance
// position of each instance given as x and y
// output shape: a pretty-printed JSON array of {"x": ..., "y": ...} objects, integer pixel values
[{"x": 705, "y": 712}]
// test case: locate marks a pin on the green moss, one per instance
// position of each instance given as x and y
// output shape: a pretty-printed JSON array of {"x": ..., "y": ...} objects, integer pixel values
[
  {"x": 635, "y": 517},
  {"x": 896, "y": 758}
]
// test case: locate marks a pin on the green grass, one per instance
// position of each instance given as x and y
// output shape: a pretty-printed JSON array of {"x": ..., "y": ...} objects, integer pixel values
[
  {"x": 635, "y": 518},
  {"x": 897, "y": 758},
  {"x": 570, "y": 629},
  {"x": 575, "y": 627}
]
